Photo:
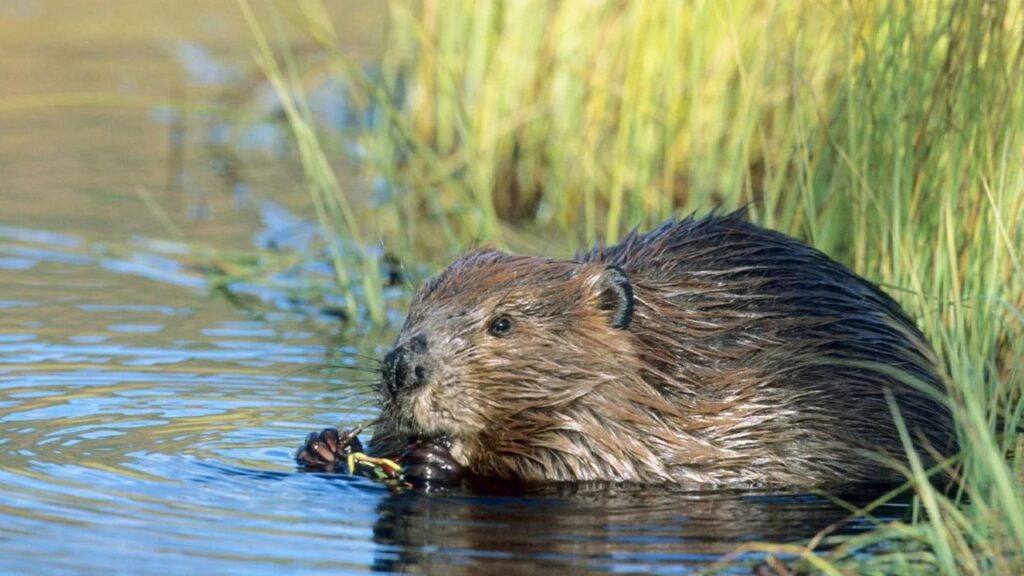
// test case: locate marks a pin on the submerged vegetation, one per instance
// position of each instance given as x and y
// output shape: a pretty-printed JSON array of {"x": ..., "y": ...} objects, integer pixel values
[{"x": 888, "y": 134}]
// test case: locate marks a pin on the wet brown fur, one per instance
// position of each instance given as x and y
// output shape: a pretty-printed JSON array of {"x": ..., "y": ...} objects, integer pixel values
[{"x": 750, "y": 359}]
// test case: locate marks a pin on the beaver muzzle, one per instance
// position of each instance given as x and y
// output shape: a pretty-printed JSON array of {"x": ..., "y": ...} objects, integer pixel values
[{"x": 406, "y": 366}]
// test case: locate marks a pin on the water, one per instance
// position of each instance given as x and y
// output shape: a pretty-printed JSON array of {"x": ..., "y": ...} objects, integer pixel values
[{"x": 147, "y": 425}]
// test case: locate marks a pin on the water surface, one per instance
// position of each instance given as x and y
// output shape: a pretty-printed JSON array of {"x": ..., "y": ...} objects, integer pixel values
[{"x": 147, "y": 424}]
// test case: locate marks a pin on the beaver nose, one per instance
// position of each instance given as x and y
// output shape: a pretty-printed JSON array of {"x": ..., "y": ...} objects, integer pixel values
[{"x": 405, "y": 366}]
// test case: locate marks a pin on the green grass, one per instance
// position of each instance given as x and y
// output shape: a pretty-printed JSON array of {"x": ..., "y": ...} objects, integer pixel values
[
  {"x": 356, "y": 267},
  {"x": 887, "y": 133}
]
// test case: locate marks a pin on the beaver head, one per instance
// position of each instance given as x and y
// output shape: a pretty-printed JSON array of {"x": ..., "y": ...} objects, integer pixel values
[{"x": 500, "y": 357}]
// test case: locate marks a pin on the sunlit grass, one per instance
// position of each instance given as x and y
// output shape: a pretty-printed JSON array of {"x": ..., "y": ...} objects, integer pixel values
[
  {"x": 889, "y": 134},
  {"x": 353, "y": 263}
]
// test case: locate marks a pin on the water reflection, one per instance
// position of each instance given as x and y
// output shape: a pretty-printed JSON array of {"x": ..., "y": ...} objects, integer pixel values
[
  {"x": 147, "y": 427},
  {"x": 224, "y": 517},
  {"x": 588, "y": 528}
]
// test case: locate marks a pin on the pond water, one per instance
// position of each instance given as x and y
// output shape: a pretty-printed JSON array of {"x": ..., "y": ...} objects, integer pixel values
[{"x": 147, "y": 425}]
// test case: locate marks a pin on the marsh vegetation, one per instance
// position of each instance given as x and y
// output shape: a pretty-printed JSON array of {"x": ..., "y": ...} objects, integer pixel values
[{"x": 888, "y": 134}]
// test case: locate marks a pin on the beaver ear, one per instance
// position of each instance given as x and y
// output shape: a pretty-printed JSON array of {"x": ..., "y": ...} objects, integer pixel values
[{"x": 615, "y": 296}]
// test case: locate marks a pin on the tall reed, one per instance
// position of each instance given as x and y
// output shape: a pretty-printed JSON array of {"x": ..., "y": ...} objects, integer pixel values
[
  {"x": 889, "y": 134},
  {"x": 333, "y": 209}
]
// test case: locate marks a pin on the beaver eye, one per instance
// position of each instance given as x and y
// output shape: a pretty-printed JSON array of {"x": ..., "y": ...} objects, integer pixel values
[{"x": 500, "y": 326}]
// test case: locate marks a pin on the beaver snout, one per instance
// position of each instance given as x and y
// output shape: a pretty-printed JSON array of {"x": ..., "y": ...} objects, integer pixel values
[{"x": 405, "y": 366}]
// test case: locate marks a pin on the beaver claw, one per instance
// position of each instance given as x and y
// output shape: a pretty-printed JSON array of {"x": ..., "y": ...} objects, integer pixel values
[
  {"x": 426, "y": 465},
  {"x": 430, "y": 465},
  {"x": 324, "y": 451}
]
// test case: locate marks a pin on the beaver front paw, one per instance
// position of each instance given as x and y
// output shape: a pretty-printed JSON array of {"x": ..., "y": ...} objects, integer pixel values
[
  {"x": 324, "y": 451},
  {"x": 430, "y": 465}
]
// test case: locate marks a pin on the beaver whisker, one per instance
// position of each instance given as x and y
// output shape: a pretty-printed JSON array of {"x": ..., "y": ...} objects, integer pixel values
[
  {"x": 361, "y": 356},
  {"x": 363, "y": 369},
  {"x": 320, "y": 368},
  {"x": 364, "y": 385}
]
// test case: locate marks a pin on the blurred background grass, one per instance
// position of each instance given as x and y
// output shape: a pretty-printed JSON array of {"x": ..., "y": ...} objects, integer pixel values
[{"x": 887, "y": 133}]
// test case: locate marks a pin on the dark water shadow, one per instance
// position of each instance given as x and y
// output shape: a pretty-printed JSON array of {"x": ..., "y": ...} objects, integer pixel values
[{"x": 579, "y": 529}]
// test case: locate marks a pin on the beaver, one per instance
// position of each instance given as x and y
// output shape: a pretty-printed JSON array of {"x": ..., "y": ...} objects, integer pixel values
[{"x": 709, "y": 351}]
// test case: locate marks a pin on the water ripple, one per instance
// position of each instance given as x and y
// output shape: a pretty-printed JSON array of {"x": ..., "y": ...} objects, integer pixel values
[{"x": 146, "y": 428}]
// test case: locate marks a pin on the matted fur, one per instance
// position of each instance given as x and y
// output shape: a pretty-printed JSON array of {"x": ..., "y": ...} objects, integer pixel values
[{"x": 751, "y": 359}]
